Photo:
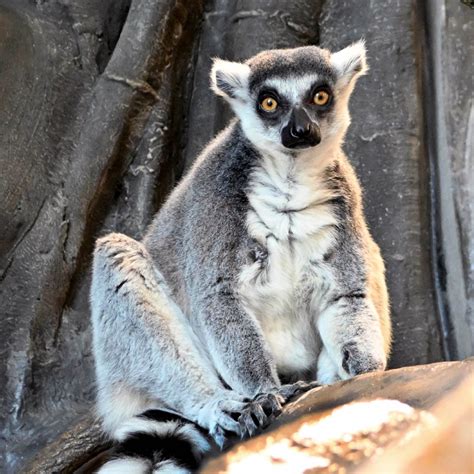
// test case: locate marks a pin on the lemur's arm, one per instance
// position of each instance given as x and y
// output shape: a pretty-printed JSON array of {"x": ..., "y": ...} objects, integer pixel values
[
  {"x": 351, "y": 333},
  {"x": 239, "y": 351},
  {"x": 233, "y": 337},
  {"x": 350, "y": 325},
  {"x": 235, "y": 342},
  {"x": 145, "y": 350}
]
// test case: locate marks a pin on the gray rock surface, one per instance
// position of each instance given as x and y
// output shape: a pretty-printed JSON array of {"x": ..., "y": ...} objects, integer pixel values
[
  {"x": 456, "y": 64},
  {"x": 104, "y": 104}
]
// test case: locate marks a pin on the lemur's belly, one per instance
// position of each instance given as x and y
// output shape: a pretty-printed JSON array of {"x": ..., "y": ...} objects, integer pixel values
[
  {"x": 285, "y": 291},
  {"x": 293, "y": 342}
]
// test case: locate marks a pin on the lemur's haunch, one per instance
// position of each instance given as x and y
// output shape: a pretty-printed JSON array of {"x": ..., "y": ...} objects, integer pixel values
[{"x": 258, "y": 271}]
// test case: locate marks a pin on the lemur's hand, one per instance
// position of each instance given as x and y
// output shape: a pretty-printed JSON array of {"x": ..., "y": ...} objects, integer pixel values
[
  {"x": 261, "y": 410},
  {"x": 234, "y": 415},
  {"x": 358, "y": 359},
  {"x": 264, "y": 407},
  {"x": 288, "y": 391}
]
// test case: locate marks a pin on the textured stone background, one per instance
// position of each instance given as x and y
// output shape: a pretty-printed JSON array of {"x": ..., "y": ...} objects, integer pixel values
[{"x": 104, "y": 104}]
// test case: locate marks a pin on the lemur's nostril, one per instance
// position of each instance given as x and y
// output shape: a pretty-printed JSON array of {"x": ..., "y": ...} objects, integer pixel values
[
  {"x": 301, "y": 131},
  {"x": 294, "y": 132}
]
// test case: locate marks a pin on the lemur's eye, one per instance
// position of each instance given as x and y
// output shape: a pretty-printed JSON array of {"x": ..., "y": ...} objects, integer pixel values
[
  {"x": 269, "y": 104},
  {"x": 321, "y": 97}
]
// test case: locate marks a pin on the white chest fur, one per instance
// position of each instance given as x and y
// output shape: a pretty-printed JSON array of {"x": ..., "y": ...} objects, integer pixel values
[{"x": 291, "y": 217}]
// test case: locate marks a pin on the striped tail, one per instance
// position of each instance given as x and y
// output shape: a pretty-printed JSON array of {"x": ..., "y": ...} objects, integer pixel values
[{"x": 158, "y": 442}]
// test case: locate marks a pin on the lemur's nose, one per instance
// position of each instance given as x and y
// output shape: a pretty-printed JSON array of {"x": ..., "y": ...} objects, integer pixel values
[
  {"x": 300, "y": 124},
  {"x": 301, "y": 131}
]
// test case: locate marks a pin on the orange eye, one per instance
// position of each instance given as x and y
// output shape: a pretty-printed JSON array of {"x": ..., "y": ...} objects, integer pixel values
[
  {"x": 269, "y": 104},
  {"x": 321, "y": 97}
]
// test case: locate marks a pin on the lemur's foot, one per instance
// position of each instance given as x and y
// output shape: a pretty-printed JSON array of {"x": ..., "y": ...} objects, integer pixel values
[
  {"x": 288, "y": 391},
  {"x": 356, "y": 360},
  {"x": 267, "y": 406},
  {"x": 220, "y": 416}
]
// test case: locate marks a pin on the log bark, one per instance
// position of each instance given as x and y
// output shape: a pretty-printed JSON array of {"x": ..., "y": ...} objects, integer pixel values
[{"x": 424, "y": 387}]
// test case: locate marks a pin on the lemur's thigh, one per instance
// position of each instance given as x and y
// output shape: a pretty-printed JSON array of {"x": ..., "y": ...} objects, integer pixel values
[
  {"x": 352, "y": 337},
  {"x": 144, "y": 351}
]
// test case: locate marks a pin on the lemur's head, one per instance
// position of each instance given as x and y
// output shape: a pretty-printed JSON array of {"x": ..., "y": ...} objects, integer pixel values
[{"x": 289, "y": 100}]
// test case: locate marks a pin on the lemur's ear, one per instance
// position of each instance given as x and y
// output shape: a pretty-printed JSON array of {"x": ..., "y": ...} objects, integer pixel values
[
  {"x": 350, "y": 62},
  {"x": 230, "y": 79}
]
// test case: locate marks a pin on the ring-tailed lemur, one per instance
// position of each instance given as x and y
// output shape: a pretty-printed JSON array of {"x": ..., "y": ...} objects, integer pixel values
[{"x": 259, "y": 269}]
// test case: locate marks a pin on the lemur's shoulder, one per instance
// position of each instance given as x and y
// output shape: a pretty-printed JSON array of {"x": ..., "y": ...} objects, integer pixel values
[
  {"x": 221, "y": 170},
  {"x": 207, "y": 209},
  {"x": 224, "y": 166},
  {"x": 341, "y": 177}
]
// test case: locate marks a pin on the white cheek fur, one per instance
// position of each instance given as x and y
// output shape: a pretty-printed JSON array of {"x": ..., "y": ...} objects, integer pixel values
[{"x": 263, "y": 138}]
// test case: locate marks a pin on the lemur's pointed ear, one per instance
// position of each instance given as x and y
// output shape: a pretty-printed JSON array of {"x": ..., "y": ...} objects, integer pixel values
[
  {"x": 350, "y": 62},
  {"x": 230, "y": 79}
]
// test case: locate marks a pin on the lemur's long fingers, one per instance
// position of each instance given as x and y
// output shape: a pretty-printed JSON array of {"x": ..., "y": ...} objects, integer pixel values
[
  {"x": 270, "y": 402},
  {"x": 291, "y": 390},
  {"x": 247, "y": 424},
  {"x": 259, "y": 414}
]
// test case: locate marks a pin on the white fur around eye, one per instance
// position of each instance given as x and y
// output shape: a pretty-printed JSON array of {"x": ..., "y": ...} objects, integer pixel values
[{"x": 293, "y": 89}]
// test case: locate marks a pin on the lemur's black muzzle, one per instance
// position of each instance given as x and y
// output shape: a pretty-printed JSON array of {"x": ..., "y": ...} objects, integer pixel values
[{"x": 300, "y": 131}]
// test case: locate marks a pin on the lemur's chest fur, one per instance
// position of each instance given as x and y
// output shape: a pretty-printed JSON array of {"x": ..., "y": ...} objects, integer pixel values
[{"x": 292, "y": 222}]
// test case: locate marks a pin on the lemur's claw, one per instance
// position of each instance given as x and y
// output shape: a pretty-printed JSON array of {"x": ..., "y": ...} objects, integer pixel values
[
  {"x": 219, "y": 436},
  {"x": 247, "y": 424},
  {"x": 258, "y": 413}
]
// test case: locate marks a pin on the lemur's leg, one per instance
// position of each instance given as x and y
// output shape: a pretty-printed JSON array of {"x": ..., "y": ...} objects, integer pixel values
[
  {"x": 146, "y": 352},
  {"x": 352, "y": 336}
]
